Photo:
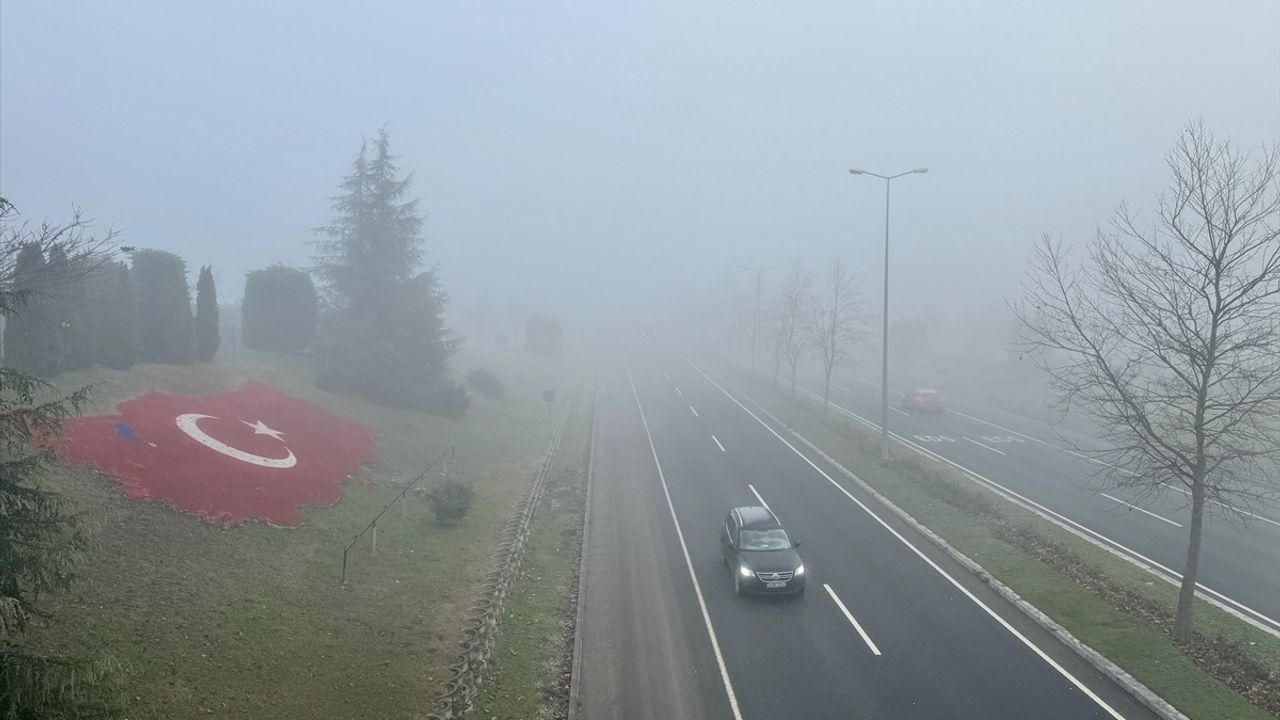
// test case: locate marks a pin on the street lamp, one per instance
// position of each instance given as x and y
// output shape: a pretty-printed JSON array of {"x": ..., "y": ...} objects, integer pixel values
[
  {"x": 884, "y": 338},
  {"x": 755, "y": 334}
]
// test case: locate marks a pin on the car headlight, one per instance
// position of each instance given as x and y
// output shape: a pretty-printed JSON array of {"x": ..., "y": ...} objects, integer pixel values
[
  {"x": 800, "y": 569},
  {"x": 745, "y": 571}
]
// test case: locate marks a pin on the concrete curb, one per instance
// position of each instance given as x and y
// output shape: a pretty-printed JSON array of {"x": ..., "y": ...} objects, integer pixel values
[
  {"x": 575, "y": 677},
  {"x": 1142, "y": 693}
]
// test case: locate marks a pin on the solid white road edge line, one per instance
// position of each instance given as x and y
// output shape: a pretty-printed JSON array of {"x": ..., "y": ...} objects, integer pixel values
[
  {"x": 717, "y": 440},
  {"x": 928, "y": 561},
  {"x": 697, "y": 589},
  {"x": 1221, "y": 601},
  {"x": 757, "y": 494},
  {"x": 1141, "y": 510},
  {"x": 862, "y": 633},
  {"x": 981, "y": 445}
]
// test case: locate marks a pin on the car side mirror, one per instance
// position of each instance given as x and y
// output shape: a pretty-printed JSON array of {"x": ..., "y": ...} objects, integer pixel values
[{"x": 795, "y": 543}]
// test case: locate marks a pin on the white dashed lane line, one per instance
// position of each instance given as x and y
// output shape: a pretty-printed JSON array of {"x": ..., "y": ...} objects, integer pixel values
[
  {"x": 1161, "y": 518},
  {"x": 717, "y": 440},
  {"x": 849, "y": 616},
  {"x": 695, "y": 412},
  {"x": 983, "y": 445}
]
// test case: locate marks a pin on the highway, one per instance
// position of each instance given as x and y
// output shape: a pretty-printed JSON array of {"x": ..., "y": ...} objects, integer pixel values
[
  {"x": 890, "y": 627},
  {"x": 1240, "y": 554}
]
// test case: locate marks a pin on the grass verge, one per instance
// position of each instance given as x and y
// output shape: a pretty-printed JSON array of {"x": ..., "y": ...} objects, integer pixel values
[
  {"x": 1058, "y": 572},
  {"x": 251, "y": 621},
  {"x": 533, "y": 651}
]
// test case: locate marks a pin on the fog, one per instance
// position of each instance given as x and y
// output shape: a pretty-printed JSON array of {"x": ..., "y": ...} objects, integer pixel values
[{"x": 595, "y": 162}]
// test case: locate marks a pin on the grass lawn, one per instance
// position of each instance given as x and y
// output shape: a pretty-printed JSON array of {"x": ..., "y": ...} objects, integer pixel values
[
  {"x": 533, "y": 651},
  {"x": 1138, "y": 647},
  {"x": 251, "y": 621}
]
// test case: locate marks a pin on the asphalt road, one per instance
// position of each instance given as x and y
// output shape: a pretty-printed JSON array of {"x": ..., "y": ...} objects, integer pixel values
[
  {"x": 1240, "y": 554},
  {"x": 889, "y": 628}
]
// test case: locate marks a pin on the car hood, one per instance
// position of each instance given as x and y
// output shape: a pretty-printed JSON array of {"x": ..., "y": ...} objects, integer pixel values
[{"x": 770, "y": 560}]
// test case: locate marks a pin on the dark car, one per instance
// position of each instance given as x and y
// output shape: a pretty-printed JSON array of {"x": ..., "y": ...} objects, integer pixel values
[
  {"x": 759, "y": 553},
  {"x": 923, "y": 400}
]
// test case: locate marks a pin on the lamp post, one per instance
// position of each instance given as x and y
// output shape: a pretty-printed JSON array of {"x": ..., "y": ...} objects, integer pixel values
[
  {"x": 884, "y": 338},
  {"x": 755, "y": 334}
]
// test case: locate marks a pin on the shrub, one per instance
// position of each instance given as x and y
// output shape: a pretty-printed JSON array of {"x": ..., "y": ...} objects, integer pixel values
[
  {"x": 484, "y": 381},
  {"x": 279, "y": 309},
  {"x": 450, "y": 500}
]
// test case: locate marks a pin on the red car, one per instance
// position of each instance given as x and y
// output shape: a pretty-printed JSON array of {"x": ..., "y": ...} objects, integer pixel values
[{"x": 923, "y": 400}]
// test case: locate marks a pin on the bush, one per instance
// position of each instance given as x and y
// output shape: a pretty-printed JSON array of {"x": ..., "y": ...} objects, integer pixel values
[
  {"x": 483, "y": 381},
  {"x": 279, "y": 309},
  {"x": 378, "y": 371},
  {"x": 450, "y": 500}
]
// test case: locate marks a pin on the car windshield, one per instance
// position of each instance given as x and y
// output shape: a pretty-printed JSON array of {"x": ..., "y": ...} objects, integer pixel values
[{"x": 775, "y": 539}]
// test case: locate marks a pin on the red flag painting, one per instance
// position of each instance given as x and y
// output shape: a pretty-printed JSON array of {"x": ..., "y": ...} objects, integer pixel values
[{"x": 253, "y": 452}]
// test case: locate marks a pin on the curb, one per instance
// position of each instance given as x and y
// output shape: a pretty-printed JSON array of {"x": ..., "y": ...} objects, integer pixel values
[
  {"x": 1130, "y": 684},
  {"x": 575, "y": 677}
]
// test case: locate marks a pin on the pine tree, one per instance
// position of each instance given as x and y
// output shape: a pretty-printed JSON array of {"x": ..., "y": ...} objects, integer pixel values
[
  {"x": 69, "y": 308},
  {"x": 206, "y": 322},
  {"x": 113, "y": 316},
  {"x": 385, "y": 337},
  {"x": 31, "y": 335},
  {"x": 166, "y": 327},
  {"x": 40, "y": 540}
]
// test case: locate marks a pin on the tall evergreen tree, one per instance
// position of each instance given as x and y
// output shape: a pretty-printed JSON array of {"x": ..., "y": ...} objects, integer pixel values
[
  {"x": 113, "y": 316},
  {"x": 280, "y": 309},
  {"x": 206, "y": 322},
  {"x": 385, "y": 337},
  {"x": 69, "y": 306},
  {"x": 166, "y": 327},
  {"x": 31, "y": 337},
  {"x": 40, "y": 540}
]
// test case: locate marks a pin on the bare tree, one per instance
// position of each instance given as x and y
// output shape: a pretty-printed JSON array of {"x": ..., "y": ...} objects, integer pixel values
[
  {"x": 836, "y": 323},
  {"x": 794, "y": 298},
  {"x": 1169, "y": 337}
]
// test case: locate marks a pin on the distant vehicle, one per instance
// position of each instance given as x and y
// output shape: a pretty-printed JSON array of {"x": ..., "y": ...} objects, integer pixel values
[
  {"x": 923, "y": 400},
  {"x": 758, "y": 552}
]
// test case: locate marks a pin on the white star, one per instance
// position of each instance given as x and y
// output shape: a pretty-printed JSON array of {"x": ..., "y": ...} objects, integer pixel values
[{"x": 260, "y": 428}]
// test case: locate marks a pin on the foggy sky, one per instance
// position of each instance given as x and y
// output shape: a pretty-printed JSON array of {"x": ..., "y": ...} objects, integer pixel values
[{"x": 633, "y": 152}]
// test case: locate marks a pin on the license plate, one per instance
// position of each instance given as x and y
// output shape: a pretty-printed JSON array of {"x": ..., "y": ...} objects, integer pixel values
[{"x": 775, "y": 584}]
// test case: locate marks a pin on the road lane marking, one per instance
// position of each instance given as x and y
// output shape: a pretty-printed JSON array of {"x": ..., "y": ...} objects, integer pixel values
[
  {"x": 982, "y": 445},
  {"x": 900, "y": 412},
  {"x": 757, "y": 494},
  {"x": 1225, "y": 505},
  {"x": 1141, "y": 510},
  {"x": 929, "y": 561},
  {"x": 697, "y": 589},
  {"x": 1084, "y": 457},
  {"x": 862, "y": 633},
  {"x": 667, "y": 375},
  {"x": 678, "y": 390},
  {"x": 1224, "y": 602},
  {"x": 841, "y": 388},
  {"x": 713, "y": 437},
  {"x": 695, "y": 412}
]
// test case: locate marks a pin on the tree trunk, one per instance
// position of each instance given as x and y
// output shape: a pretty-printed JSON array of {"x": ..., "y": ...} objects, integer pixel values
[
  {"x": 793, "y": 380},
  {"x": 1187, "y": 593},
  {"x": 826, "y": 388}
]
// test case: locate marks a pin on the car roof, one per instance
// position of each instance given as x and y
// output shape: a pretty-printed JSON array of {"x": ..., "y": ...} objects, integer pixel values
[{"x": 757, "y": 517}]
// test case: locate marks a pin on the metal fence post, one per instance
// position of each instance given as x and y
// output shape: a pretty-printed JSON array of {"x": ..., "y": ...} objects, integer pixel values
[{"x": 375, "y": 539}]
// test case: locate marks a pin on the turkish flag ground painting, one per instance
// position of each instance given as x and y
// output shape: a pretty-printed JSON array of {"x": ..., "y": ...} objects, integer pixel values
[{"x": 250, "y": 453}]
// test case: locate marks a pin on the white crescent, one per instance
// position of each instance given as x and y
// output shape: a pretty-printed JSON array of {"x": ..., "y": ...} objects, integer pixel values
[{"x": 188, "y": 424}]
